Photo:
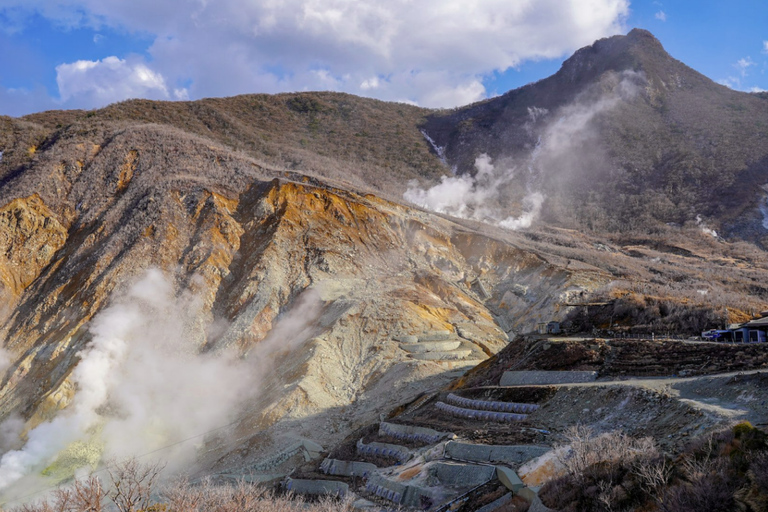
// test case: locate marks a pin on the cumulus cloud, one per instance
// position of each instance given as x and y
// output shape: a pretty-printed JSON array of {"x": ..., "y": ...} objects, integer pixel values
[
  {"x": 742, "y": 65},
  {"x": 661, "y": 16},
  {"x": 238, "y": 46},
  {"x": 95, "y": 83}
]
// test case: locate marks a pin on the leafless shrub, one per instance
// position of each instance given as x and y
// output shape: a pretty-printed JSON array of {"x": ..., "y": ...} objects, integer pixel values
[
  {"x": 180, "y": 495},
  {"x": 712, "y": 492},
  {"x": 586, "y": 448},
  {"x": 242, "y": 496},
  {"x": 87, "y": 495},
  {"x": 133, "y": 484},
  {"x": 83, "y": 495},
  {"x": 758, "y": 472},
  {"x": 654, "y": 473}
]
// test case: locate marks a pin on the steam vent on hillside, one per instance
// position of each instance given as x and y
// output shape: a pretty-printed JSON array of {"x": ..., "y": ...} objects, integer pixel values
[{"x": 549, "y": 299}]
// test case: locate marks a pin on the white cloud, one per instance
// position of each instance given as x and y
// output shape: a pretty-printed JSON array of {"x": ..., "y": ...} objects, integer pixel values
[
  {"x": 433, "y": 52},
  {"x": 731, "y": 82},
  {"x": 742, "y": 65},
  {"x": 661, "y": 15},
  {"x": 757, "y": 89},
  {"x": 737, "y": 82},
  {"x": 94, "y": 83},
  {"x": 765, "y": 46}
]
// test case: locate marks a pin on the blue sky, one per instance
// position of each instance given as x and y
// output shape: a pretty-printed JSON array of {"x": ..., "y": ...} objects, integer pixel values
[{"x": 88, "y": 53}]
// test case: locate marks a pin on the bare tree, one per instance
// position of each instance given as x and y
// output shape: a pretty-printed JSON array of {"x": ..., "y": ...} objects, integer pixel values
[
  {"x": 182, "y": 496},
  {"x": 654, "y": 475},
  {"x": 133, "y": 484},
  {"x": 86, "y": 495}
]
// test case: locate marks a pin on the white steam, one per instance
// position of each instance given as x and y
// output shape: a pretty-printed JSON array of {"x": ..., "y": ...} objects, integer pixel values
[
  {"x": 704, "y": 229},
  {"x": 763, "y": 206},
  {"x": 532, "y": 204},
  {"x": 142, "y": 383},
  {"x": 475, "y": 197},
  {"x": 562, "y": 146},
  {"x": 462, "y": 196}
]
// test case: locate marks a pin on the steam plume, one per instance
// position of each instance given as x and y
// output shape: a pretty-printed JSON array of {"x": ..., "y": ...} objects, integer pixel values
[
  {"x": 142, "y": 383},
  {"x": 559, "y": 152}
]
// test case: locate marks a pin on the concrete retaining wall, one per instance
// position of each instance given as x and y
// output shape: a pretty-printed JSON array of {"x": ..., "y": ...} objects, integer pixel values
[
  {"x": 430, "y": 346},
  {"x": 462, "y": 475},
  {"x": 442, "y": 356},
  {"x": 528, "y": 378},
  {"x": 510, "y": 479},
  {"x": 509, "y": 454},
  {"x": 347, "y": 468},
  {"x": 316, "y": 487},
  {"x": 486, "y": 405},
  {"x": 435, "y": 336},
  {"x": 482, "y": 289},
  {"x": 472, "y": 414},
  {"x": 385, "y": 488},
  {"x": 425, "y": 435},
  {"x": 495, "y": 505},
  {"x": 309, "y": 449},
  {"x": 396, "y": 492},
  {"x": 400, "y": 453}
]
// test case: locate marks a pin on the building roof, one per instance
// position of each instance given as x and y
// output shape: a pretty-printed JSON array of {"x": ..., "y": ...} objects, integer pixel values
[{"x": 760, "y": 322}]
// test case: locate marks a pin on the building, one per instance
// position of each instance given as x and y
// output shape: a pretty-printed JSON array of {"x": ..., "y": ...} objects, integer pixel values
[{"x": 754, "y": 331}]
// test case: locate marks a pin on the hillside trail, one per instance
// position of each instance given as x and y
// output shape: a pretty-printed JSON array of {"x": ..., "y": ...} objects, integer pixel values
[{"x": 738, "y": 396}]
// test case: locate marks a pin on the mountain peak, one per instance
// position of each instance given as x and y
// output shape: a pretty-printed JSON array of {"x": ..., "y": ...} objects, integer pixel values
[{"x": 636, "y": 51}]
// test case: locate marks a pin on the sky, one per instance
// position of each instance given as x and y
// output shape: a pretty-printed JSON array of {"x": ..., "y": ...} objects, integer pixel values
[{"x": 58, "y": 54}]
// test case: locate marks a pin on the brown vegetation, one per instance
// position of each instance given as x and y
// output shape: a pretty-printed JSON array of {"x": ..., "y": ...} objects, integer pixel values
[
  {"x": 680, "y": 146},
  {"x": 133, "y": 487},
  {"x": 727, "y": 471}
]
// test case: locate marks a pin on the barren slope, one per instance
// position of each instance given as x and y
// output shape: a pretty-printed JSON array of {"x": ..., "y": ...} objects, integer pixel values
[{"x": 86, "y": 216}]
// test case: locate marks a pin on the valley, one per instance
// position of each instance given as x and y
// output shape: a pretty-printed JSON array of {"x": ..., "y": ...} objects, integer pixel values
[{"x": 328, "y": 294}]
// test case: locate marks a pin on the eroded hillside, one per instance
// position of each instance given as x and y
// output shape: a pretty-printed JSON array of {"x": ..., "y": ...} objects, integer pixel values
[
  {"x": 242, "y": 273},
  {"x": 622, "y": 138},
  {"x": 313, "y": 285}
]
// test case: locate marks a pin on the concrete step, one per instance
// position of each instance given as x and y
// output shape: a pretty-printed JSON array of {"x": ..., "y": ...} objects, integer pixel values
[{"x": 431, "y": 346}]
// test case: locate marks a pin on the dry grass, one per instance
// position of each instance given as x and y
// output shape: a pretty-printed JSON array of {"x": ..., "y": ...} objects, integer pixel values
[
  {"x": 727, "y": 471},
  {"x": 122, "y": 494}
]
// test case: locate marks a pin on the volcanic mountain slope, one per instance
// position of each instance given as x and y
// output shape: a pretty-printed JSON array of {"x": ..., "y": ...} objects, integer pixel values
[
  {"x": 307, "y": 282},
  {"x": 623, "y": 137},
  {"x": 282, "y": 251}
]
